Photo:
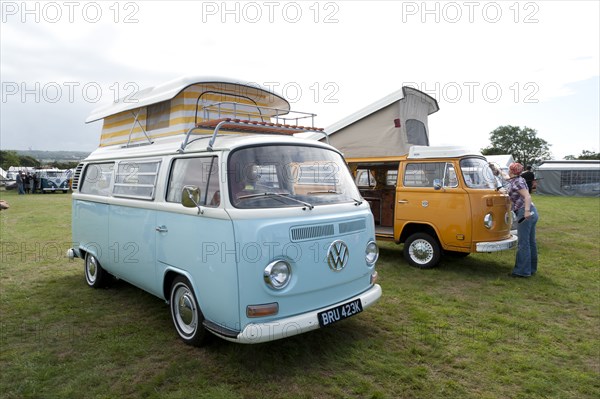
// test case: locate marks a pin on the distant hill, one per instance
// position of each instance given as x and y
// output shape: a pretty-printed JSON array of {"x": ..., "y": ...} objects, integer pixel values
[{"x": 55, "y": 156}]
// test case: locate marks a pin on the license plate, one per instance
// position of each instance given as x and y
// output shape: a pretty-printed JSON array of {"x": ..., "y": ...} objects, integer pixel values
[{"x": 341, "y": 312}]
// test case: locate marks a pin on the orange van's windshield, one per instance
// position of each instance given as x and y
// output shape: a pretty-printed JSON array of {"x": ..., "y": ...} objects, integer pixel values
[{"x": 477, "y": 173}]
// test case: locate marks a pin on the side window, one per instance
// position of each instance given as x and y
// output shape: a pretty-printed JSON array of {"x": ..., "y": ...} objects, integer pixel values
[
  {"x": 97, "y": 179},
  {"x": 377, "y": 177},
  {"x": 392, "y": 177},
  {"x": 136, "y": 179},
  {"x": 199, "y": 172},
  {"x": 423, "y": 174},
  {"x": 158, "y": 115},
  {"x": 364, "y": 178},
  {"x": 416, "y": 133}
]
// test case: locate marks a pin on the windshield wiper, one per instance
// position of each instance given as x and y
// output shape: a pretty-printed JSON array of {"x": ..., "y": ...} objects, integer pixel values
[
  {"x": 357, "y": 202},
  {"x": 286, "y": 196},
  {"x": 324, "y": 192}
]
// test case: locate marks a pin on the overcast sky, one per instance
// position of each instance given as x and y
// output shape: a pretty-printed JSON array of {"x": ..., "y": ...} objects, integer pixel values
[{"x": 526, "y": 63}]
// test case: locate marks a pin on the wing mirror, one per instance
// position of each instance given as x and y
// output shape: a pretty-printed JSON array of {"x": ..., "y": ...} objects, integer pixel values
[
  {"x": 190, "y": 198},
  {"x": 437, "y": 184}
]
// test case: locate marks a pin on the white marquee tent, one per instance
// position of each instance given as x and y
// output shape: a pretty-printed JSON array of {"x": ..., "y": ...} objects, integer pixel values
[{"x": 569, "y": 178}]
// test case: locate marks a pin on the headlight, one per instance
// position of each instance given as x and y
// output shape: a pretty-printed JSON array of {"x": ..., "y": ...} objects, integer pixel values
[
  {"x": 508, "y": 218},
  {"x": 371, "y": 253},
  {"x": 488, "y": 221},
  {"x": 277, "y": 274}
]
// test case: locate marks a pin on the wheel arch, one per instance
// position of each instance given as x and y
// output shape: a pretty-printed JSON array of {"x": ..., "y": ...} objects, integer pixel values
[
  {"x": 168, "y": 278},
  {"x": 412, "y": 228},
  {"x": 90, "y": 248}
]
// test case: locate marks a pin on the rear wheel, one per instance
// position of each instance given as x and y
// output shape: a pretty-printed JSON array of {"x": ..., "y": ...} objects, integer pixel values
[
  {"x": 422, "y": 250},
  {"x": 95, "y": 275},
  {"x": 186, "y": 313}
]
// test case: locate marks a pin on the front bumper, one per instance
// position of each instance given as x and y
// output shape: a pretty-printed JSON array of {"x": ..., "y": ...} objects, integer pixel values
[
  {"x": 495, "y": 246},
  {"x": 264, "y": 332}
]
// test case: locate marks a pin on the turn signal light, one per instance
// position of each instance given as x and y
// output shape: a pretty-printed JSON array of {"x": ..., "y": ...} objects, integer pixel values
[
  {"x": 267, "y": 309},
  {"x": 374, "y": 277}
]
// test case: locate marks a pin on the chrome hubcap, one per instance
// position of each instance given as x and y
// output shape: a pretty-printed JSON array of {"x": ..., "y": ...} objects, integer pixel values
[
  {"x": 185, "y": 310},
  {"x": 92, "y": 267},
  {"x": 421, "y": 251}
]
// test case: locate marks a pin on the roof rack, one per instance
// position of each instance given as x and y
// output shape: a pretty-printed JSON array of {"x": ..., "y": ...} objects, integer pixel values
[
  {"x": 254, "y": 123},
  {"x": 247, "y": 126},
  {"x": 251, "y": 111}
]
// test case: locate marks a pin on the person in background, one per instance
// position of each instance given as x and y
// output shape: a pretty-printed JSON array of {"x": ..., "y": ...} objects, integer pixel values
[
  {"x": 37, "y": 183},
  {"x": 529, "y": 178},
  {"x": 31, "y": 183},
  {"x": 26, "y": 182},
  {"x": 527, "y": 217},
  {"x": 20, "y": 183}
]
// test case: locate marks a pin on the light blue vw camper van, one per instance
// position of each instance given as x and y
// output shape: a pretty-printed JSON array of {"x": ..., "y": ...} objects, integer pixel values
[{"x": 200, "y": 194}]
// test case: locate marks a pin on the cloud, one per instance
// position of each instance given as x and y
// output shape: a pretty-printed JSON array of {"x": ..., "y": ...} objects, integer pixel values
[{"x": 332, "y": 57}]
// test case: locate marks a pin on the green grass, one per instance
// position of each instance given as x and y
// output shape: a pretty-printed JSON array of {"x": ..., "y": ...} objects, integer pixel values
[{"x": 461, "y": 330}]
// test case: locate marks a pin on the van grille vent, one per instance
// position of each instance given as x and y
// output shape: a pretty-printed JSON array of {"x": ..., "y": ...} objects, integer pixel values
[
  {"x": 76, "y": 177},
  {"x": 355, "y": 225},
  {"x": 311, "y": 232}
]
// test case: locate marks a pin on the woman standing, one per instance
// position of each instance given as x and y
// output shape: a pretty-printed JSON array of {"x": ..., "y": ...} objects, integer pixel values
[{"x": 527, "y": 217}]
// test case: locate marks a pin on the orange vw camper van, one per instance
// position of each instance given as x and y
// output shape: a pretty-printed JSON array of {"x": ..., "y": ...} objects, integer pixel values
[{"x": 434, "y": 200}]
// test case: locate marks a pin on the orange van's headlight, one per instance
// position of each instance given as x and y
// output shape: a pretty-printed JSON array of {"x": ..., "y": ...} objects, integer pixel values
[
  {"x": 488, "y": 220},
  {"x": 508, "y": 218}
]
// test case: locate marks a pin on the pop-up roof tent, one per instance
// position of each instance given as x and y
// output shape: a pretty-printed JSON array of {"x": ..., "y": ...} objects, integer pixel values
[
  {"x": 573, "y": 178},
  {"x": 197, "y": 102},
  {"x": 386, "y": 128}
]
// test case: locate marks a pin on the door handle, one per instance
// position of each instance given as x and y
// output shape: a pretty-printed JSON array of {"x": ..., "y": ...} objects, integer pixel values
[
  {"x": 403, "y": 201},
  {"x": 161, "y": 229}
]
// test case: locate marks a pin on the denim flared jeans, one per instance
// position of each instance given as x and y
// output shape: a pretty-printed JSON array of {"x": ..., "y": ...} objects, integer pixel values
[{"x": 527, "y": 256}]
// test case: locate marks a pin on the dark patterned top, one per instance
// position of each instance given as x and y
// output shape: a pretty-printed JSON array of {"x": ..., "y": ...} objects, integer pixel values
[{"x": 516, "y": 184}]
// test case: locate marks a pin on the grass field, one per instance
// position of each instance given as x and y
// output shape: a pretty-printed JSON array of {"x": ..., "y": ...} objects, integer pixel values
[{"x": 461, "y": 330}]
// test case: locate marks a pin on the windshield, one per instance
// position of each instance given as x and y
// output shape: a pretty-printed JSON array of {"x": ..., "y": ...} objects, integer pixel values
[
  {"x": 289, "y": 176},
  {"x": 477, "y": 173}
]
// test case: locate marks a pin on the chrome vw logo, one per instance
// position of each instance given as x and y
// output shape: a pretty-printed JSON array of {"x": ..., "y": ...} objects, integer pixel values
[{"x": 337, "y": 255}]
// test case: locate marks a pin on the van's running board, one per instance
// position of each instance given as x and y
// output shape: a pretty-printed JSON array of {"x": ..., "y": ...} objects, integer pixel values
[{"x": 220, "y": 330}]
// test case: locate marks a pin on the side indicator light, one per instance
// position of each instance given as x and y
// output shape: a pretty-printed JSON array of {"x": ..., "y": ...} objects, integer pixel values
[
  {"x": 267, "y": 309},
  {"x": 374, "y": 277}
]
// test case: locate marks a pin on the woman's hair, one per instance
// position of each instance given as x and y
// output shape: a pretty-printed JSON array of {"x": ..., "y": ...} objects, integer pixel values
[{"x": 515, "y": 168}]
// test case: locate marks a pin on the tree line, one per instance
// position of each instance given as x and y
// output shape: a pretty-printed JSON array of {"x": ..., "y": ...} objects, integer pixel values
[
  {"x": 12, "y": 158},
  {"x": 525, "y": 146}
]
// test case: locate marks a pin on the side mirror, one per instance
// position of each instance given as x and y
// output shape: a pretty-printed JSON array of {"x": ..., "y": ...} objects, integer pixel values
[
  {"x": 190, "y": 198},
  {"x": 437, "y": 184}
]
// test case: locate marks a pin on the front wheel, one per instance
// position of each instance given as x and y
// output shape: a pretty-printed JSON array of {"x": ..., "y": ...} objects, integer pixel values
[
  {"x": 422, "y": 250},
  {"x": 186, "y": 313}
]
